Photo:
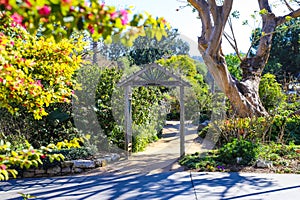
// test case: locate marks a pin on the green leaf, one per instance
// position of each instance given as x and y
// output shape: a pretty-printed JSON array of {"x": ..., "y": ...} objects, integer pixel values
[
  {"x": 263, "y": 12},
  {"x": 288, "y": 18}
]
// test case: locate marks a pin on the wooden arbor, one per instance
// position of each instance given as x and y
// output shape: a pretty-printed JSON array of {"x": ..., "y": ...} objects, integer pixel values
[{"x": 151, "y": 75}]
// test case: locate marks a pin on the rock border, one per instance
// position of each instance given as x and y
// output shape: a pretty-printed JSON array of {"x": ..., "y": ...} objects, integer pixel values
[{"x": 69, "y": 167}]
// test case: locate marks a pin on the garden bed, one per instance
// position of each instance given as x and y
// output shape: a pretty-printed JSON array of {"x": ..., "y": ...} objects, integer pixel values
[{"x": 271, "y": 158}]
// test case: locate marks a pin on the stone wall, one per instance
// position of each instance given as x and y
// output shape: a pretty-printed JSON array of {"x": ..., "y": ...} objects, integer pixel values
[{"x": 68, "y": 167}]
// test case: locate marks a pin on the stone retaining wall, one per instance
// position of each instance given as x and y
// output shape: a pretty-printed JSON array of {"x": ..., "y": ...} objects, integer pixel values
[{"x": 68, "y": 167}]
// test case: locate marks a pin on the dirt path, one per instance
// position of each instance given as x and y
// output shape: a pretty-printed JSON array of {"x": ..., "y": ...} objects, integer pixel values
[{"x": 159, "y": 156}]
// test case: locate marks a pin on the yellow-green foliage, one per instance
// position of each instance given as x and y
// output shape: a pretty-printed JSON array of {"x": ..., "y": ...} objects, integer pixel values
[
  {"x": 270, "y": 92},
  {"x": 27, "y": 156},
  {"x": 35, "y": 72}
]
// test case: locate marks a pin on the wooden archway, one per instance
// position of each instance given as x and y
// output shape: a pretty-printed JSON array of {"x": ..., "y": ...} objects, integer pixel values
[{"x": 152, "y": 75}]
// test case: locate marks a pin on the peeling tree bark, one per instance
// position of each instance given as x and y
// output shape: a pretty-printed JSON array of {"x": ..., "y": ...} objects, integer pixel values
[{"x": 243, "y": 94}]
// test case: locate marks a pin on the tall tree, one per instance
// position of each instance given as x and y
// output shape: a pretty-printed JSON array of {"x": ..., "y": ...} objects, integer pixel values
[
  {"x": 285, "y": 52},
  {"x": 243, "y": 94}
]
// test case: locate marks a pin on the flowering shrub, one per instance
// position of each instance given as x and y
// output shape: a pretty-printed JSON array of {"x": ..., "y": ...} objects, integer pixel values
[
  {"x": 61, "y": 18},
  {"x": 35, "y": 72},
  {"x": 27, "y": 156}
]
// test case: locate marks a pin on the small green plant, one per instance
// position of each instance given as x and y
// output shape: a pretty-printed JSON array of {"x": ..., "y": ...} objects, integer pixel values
[
  {"x": 239, "y": 152},
  {"x": 27, "y": 196},
  {"x": 203, "y": 163}
]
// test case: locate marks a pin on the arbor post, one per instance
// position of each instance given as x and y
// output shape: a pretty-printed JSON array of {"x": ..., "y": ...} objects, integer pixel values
[
  {"x": 128, "y": 122},
  {"x": 182, "y": 134}
]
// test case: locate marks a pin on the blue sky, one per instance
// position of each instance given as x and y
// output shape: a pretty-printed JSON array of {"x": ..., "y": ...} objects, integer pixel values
[{"x": 187, "y": 23}]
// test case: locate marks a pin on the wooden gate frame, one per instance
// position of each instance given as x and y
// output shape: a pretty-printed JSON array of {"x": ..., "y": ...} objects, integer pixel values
[{"x": 152, "y": 75}]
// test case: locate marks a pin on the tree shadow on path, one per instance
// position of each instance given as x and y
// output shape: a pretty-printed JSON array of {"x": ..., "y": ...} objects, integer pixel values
[
  {"x": 239, "y": 185},
  {"x": 168, "y": 185}
]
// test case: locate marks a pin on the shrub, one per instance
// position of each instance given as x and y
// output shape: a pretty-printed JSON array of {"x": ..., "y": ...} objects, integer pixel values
[
  {"x": 55, "y": 127},
  {"x": 224, "y": 131},
  {"x": 35, "y": 72},
  {"x": 286, "y": 129},
  {"x": 270, "y": 92},
  {"x": 25, "y": 156},
  {"x": 246, "y": 150}
]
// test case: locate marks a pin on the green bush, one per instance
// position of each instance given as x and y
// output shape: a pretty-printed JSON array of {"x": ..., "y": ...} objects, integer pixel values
[
  {"x": 55, "y": 127},
  {"x": 248, "y": 151},
  {"x": 286, "y": 129},
  {"x": 270, "y": 92}
]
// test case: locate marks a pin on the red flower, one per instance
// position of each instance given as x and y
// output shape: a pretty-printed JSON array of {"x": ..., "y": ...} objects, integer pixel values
[
  {"x": 6, "y": 4},
  {"x": 45, "y": 10},
  {"x": 43, "y": 156},
  {"x": 91, "y": 28}
]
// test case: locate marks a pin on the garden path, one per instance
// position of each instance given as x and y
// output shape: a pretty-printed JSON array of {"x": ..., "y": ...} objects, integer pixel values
[{"x": 161, "y": 155}]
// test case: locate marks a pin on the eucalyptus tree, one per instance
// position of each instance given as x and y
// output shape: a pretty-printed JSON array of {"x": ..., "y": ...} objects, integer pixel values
[{"x": 214, "y": 15}]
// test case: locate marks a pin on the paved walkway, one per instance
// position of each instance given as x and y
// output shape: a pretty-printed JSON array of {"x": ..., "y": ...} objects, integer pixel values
[
  {"x": 165, "y": 186},
  {"x": 162, "y": 155}
]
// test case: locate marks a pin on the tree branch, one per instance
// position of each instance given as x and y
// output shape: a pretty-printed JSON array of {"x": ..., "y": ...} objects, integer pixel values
[
  {"x": 227, "y": 6},
  {"x": 213, "y": 9},
  {"x": 221, "y": 19},
  {"x": 282, "y": 19},
  {"x": 288, "y": 5},
  {"x": 203, "y": 9},
  {"x": 234, "y": 39},
  {"x": 268, "y": 26}
]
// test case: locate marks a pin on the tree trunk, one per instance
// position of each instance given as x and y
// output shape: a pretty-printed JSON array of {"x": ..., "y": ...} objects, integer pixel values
[{"x": 243, "y": 95}]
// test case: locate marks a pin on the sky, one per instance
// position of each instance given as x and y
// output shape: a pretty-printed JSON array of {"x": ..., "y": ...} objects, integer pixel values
[{"x": 187, "y": 23}]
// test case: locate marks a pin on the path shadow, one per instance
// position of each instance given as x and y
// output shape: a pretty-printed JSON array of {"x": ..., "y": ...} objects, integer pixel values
[
  {"x": 142, "y": 186},
  {"x": 170, "y": 185},
  {"x": 235, "y": 185}
]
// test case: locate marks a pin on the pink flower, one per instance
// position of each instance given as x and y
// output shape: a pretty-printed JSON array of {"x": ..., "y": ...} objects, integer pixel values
[
  {"x": 91, "y": 28},
  {"x": 66, "y": 2},
  {"x": 17, "y": 18},
  {"x": 113, "y": 15},
  {"x": 124, "y": 17},
  {"x": 3, "y": 167},
  {"x": 38, "y": 83},
  {"x": 12, "y": 43},
  {"x": 45, "y": 10}
]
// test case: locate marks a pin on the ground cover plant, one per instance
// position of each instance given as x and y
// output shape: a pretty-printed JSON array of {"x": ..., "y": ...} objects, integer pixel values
[{"x": 242, "y": 155}]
